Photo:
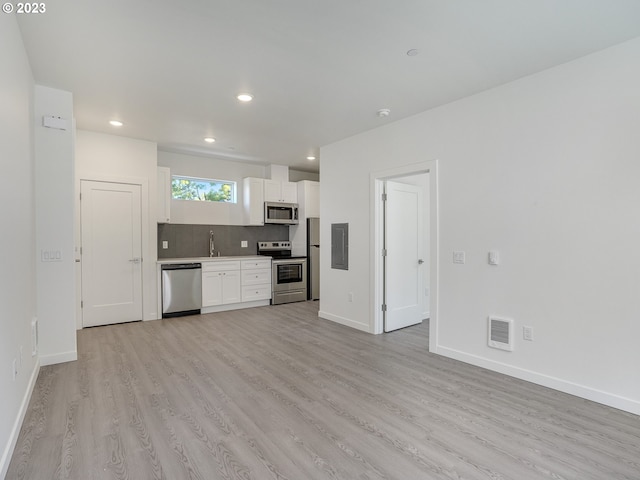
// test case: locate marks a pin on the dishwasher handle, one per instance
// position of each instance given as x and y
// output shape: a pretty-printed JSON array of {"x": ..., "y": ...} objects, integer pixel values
[{"x": 181, "y": 266}]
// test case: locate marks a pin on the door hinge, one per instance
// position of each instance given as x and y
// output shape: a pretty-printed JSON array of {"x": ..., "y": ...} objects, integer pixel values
[
  {"x": 384, "y": 307},
  {"x": 81, "y": 196},
  {"x": 384, "y": 197},
  {"x": 384, "y": 252},
  {"x": 81, "y": 304}
]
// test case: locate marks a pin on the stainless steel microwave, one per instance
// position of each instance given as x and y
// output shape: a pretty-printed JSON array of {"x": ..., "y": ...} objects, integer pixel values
[{"x": 281, "y": 213}]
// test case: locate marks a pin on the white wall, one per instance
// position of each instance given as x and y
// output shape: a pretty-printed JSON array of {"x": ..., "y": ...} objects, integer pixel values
[
  {"x": 17, "y": 216},
  {"x": 121, "y": 159},
  {"x": 545, "y": 170},
  {"x": 299, "y": 175},
  {"x": 208, "y": 213},
  {"x": 54, "y": 182}
]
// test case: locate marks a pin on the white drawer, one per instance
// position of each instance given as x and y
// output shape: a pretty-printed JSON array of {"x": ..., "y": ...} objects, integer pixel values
[
  {"x": 259, "y": 263},
  {"x": 256, "y": 277},
  {"x": 221, "y": 266},
  {"x": 256, "y": 292}
]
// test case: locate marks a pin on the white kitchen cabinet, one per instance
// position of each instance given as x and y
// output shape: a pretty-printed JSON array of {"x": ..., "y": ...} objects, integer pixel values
[
  {"x": 253, "y": 200},
  {"x": 221, "y": 284},
  {"x": 164, "y": 195},
  {"x": 256, "y": 279},
  {"x": 309, "y": 198},
  {"x": 276, "y": 191},
  {"x": 229, "y": 283},
  {"x": 289, "y": 192},
  {"x": 308, "y": 207}
]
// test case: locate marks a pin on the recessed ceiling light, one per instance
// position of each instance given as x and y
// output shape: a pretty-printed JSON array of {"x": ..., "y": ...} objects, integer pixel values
[
  {"x": 311, "y": 157},
  {"x": 116, "y": 123},
  {"x": 209, "y": 139},
  {"x": 245, "y": 97},
  {"x": 412, "y": 53},
  {"x": 383, "y": 112}
]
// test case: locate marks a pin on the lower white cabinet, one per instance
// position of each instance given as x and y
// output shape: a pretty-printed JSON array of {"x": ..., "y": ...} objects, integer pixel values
[
  {"x": 256, "y": 279},
  {"x": 231, "y": 284},
  {"x": 221, "y": 283}
]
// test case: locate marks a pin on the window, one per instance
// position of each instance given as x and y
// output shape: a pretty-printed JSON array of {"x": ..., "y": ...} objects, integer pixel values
[{"x": 203, "y": 189}]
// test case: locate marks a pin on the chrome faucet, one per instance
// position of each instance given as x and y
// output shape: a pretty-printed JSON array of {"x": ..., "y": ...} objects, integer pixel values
[{"x": 211, "y": 244}]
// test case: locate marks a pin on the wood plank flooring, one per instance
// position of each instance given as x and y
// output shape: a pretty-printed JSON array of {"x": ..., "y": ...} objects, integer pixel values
[{"x": 277, "y": 393}]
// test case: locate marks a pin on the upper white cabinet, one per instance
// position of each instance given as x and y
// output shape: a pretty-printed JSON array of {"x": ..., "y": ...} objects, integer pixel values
[
  {"x": 309, "y": 198},
  {"x": 309, "y": 207},
  {"x": 253, "y": 200},
  {"x": 277, "y": 191},
  {"x": 164, "y": 195}
]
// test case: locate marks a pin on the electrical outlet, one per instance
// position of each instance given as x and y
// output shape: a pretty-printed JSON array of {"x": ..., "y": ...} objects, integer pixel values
[
  {"x": 165, "y": 244},
  {"x": 244, "y": 244},
  {"x": 527, "y": 333},
  {"x": 459, "y": 257}
]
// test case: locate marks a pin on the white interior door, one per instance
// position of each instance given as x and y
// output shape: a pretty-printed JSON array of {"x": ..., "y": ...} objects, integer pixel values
[
  {"x": 404, "y": 261},
  {"x": 110, "y": 215}
]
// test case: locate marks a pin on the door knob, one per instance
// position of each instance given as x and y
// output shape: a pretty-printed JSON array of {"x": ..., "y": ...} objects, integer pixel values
[
  {"x": 135, "y": 260},
  {"x": 420, "y": 261}
]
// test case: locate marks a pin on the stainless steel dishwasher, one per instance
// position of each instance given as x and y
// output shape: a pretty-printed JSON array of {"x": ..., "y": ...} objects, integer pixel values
[{"x": 181, "y": 289}]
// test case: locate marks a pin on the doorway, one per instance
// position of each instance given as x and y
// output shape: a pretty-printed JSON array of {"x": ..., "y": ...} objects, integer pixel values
[
  {"x": 421, "y": 300},
  {"x": 111, "y": 252},
  {"x": 404, "y": 268}
]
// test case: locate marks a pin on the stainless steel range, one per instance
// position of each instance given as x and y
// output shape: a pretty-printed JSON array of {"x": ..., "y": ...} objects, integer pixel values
[{"x": 288, "y": 274}]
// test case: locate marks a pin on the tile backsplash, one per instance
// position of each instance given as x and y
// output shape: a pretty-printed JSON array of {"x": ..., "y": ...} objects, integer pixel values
[{"x": 186, "y": 241}]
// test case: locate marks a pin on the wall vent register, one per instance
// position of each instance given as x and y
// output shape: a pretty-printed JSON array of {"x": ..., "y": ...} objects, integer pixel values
[{"x": 500, "y": 333}]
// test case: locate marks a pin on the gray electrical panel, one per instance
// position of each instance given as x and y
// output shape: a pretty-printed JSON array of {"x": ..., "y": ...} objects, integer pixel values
[{"x": 340, "y": 246}]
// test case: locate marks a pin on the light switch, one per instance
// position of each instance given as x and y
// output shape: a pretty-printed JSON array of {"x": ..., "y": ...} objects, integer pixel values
[
  {"x": 244, "y": 244},
  {"x": 50, "y": 255},
  {"x": 494, "y": 257},
  {"x": 458, "y": 257}
]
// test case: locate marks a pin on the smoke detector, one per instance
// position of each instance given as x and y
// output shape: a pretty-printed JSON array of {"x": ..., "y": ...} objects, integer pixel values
[{"x": 383, "y": 112}]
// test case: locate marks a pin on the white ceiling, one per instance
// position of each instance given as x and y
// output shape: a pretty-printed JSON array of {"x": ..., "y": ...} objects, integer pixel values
[{"x": 319, "y": 69}]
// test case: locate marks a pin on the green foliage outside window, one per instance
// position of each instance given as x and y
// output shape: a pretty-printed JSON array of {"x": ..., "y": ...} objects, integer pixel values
[{"x": 203, "y": 189}]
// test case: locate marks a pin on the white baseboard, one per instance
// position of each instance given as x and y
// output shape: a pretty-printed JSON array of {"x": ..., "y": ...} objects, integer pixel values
[
  {"x": 58, "y": 358},
  {"x": 235, "y": 306},
  {"x": 17, "y": 425},
  {"x": 588, "y": 393},
  {"x": 344, "y": 321}
]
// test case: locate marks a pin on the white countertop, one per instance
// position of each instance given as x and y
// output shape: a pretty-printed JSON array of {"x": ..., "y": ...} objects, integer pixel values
[{"x": 164, "y": 261}]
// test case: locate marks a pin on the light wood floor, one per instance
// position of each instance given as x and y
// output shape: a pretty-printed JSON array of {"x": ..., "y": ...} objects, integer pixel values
[{"x": 276, "y": 393}]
